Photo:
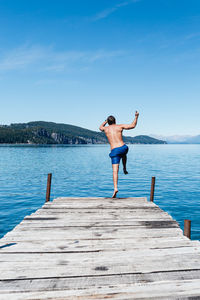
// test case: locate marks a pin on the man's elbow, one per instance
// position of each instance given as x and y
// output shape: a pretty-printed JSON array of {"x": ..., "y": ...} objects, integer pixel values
[{"x": 131, "y": 126}]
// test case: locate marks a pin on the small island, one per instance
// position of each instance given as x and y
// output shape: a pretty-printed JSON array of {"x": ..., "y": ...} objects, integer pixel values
[{"x": 41, "y": 132}]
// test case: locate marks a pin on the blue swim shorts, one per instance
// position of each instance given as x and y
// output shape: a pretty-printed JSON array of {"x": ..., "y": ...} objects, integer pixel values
[{"x": 117, "y": 153}]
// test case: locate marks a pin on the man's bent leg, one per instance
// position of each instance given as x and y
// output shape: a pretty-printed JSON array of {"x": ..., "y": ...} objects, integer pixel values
[
  {"x": 115, "y": 179},
  {"x": 124, "y": 160}
]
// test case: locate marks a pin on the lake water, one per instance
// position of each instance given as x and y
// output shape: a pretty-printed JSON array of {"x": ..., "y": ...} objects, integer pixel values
[{"x": 83, "y": 171}]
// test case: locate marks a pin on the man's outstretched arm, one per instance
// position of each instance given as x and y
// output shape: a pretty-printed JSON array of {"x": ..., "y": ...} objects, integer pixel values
[
  {"x": 133, "y": 124},
  {"x": 103, "y": 125}
]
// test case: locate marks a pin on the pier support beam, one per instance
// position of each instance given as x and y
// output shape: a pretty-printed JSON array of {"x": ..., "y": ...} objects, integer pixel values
[
  {"x": 48, "y": 187},
  {"x": 187, "y": 228},
  {"x": 153, "y": 179}
]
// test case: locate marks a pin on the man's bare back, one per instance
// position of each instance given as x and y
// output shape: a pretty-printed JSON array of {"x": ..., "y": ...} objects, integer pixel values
[
  {"x": 119, "y": 150},
  {"x": 114, "y": 135}
]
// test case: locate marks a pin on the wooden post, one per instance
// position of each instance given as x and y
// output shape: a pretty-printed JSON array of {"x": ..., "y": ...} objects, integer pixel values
[
  {"x": 187, "y": 228},
  {"x": 48, "y": 187},
  {"x": 153, "y": 179}
]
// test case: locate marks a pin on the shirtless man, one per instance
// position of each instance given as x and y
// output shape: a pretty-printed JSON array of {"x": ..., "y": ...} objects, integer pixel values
[{"x": 118, "y": 148}]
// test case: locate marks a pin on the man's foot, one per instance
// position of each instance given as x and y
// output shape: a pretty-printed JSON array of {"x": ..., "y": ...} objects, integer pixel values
[
  {"x": 115, "y": 193},
  {"x": 125, "y": 171}
]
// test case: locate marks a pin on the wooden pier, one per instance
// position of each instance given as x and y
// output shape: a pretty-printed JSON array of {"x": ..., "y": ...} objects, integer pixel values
[{"x": 99, "y": 248}]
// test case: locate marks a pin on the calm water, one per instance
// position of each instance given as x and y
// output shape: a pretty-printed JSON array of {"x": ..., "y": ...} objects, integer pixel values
[{"x": 86, "y": 171}]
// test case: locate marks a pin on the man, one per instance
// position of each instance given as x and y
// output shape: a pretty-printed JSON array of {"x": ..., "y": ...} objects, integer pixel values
[{"x": 118, "y": 148}]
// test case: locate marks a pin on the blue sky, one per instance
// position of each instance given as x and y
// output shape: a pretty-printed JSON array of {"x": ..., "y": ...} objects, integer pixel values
[{"x": 78, "y": 61}]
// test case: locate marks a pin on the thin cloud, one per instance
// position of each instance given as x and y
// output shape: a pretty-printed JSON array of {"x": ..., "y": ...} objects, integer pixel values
[
  {"x": 20, "y": 57},
  {"x": 192, "y": 36},
  {"x": 105, "y": 13},
  {"x": 75, "y": 60},
  {"x": 103, "y": 55},
  {"x": 56, "y": 81},
  {"x": 47, "y": 59}
]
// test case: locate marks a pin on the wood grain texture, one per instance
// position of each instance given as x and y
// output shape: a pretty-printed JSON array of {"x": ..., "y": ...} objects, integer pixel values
[{"x": 99, "y": 248}]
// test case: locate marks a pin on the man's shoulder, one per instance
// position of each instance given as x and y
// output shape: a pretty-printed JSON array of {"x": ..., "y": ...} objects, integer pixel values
[
  {"x": 116, "y": 127},
  {"x": 113, "y": 127},
  {"x": 119, "y": 126}
]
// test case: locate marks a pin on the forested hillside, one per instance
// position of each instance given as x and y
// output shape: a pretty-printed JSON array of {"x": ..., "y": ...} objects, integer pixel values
[{"x": 40, "y": 132}]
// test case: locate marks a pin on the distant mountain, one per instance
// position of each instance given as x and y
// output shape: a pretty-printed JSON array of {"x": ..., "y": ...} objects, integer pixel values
[
  {"x": 143, "y": 139},
  {"x": 193, "y": 140},
  {"x": 180, "y": 139},
  {"x": 40, "y": 132}
]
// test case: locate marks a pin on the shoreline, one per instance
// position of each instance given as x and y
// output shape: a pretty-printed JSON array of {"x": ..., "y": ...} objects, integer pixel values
[{"x": 89, "y": 144}]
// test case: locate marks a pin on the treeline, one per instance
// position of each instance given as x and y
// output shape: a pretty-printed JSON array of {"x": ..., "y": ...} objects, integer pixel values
[{"x": 41, "y": 132}]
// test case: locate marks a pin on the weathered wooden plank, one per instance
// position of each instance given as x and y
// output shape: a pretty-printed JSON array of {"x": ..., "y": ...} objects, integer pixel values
[
  {"x": 80, "y": 218},
  {"x": 90, "y": 233},
  {"x": 65, "y": 208},
  {"x": 100, "y": 203},
  {"x": 160, "y": 290},
  {"x": 94, "y": 205},
  {"x": 96, "y": 244},
  {"x": 99, "y": 206},
  {"x": 90, "y": 227},
  {"x": 132, "y": 209},
  {"x": 40, "y": 272},
  {"x": 115, "y": 224},
  {"x": 100, "y": 199},
  {"x": 103, "y": 202},
  {"x": 20, "y": 257},
  {"x": 105, "y": 212},
  {"x": 67, "y": 283},
  {"x": 116, "y": 252},
  {"x": 98, "y": 217},
  {"x": 95, "y": 264}
]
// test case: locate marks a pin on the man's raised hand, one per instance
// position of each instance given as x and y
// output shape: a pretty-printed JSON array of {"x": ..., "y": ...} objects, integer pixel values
[{"x": 136, "y": 114}]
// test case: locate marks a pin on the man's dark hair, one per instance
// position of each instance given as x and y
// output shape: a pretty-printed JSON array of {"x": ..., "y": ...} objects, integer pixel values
[{"x": 111, "y": 120}]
